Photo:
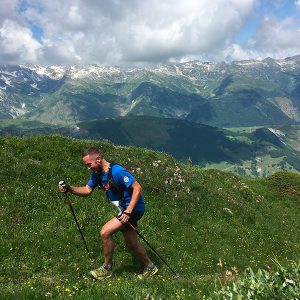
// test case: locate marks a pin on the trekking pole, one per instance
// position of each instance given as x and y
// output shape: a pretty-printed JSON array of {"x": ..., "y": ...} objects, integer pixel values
[
  {"x": 74, "y": 216},
  {"x": 175, "y": 274}
]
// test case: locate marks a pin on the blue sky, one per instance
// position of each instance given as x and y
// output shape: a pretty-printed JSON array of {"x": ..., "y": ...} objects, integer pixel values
[
  {"x": 135, "y": 32},
  {"x": 272, "y": 9}
]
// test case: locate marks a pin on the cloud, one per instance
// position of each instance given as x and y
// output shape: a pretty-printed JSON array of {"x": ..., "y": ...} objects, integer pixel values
[
  {"x": 297, "y": 3},
  {"x": 114, "y": 32},
  {"x": 276, "y": 38},
  {"x": 17, "y": 43},
  {"x": 189, "y": 28},
  {"x": 273, "y": 38},
  {"x": 8, "y": 9}
]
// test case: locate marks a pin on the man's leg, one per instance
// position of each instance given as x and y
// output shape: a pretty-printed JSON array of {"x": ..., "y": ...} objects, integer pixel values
[
  {"x": 136, "y": 247},
  {"x": 111, "y": 227},
  {"x": 131, "y": 240}
]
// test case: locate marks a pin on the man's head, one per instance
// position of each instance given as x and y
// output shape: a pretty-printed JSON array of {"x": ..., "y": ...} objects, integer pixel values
[{"x": 93, "y": 159}]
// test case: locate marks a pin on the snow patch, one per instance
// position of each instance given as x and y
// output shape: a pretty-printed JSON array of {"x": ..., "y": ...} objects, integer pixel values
[
  {"x": 6, "y": 80},
  {"x": 53, "y": 72},
  {"x": 34, "y": 85},
  {"x": 16, "y": 112},
  {"x": 13, "y": 74},
  {"x": 277, "y": 132}
]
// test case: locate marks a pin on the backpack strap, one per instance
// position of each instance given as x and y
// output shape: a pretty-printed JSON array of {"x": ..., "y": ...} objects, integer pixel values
[
  {"x": 110, "y": 179},
  {"x": 113, "y": 186}
]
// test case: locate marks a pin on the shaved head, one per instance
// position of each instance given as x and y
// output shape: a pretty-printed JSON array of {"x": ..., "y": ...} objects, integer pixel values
[{"x": 92, "y": 152}]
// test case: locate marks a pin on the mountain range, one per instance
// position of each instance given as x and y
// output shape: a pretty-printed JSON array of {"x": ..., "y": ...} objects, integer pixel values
[
  {"x": 242, "y": 93},
  {"x": 241, "y": 116}
]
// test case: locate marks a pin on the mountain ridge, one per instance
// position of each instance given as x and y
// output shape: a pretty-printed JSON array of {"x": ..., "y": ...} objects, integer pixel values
[{"x": 264, "y": 92}]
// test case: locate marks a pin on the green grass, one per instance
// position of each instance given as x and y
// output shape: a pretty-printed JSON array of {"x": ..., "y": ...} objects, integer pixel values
[{"x": 194, "y": 217}]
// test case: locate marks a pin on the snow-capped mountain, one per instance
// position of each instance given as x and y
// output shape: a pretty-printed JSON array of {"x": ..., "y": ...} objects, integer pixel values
[{"x": 242, "y": 93}]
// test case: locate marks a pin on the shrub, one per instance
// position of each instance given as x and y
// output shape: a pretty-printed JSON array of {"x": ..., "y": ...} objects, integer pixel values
[{"x": 281, "y": 283}]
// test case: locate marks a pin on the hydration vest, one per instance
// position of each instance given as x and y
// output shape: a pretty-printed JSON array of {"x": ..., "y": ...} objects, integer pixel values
[{"x": 113, "y": 186}]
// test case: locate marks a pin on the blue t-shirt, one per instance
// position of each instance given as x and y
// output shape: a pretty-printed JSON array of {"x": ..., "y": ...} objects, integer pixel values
[{"x": 123, "y": 178}]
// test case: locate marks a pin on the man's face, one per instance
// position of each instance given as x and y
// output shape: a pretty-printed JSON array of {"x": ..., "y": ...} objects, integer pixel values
[{"x": 93, "y": 162}]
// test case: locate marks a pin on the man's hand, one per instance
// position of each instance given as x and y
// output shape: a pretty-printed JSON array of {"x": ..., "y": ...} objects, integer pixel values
[
  {"x": 63, "y": 187},
  {"x": 125, "y": 217}
]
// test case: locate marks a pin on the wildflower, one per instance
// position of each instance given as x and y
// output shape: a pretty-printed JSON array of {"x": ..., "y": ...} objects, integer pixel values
[
  {"x": 220, "y": 263},
  {"x": 226, "y": 209},
  {"x": 234, "y": 271},
  {"x": 269, "y": 267},
  {"x": 244, "y": 185},
  {"x": 156, "y": 163}
]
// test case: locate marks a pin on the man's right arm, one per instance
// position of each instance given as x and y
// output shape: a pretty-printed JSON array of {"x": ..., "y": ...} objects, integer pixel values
[{"x": 82, "y": 191}]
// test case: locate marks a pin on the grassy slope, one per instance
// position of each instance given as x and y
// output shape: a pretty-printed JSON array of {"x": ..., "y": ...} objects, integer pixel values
[{"x": 210, "y": 215}]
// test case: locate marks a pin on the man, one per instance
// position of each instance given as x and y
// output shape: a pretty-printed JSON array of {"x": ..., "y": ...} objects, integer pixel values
[{"x": 125, "y": 193}]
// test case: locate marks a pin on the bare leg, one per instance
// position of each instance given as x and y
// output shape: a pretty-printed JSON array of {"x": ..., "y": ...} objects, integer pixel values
[
  {"x": 111, "y": 227},
  {"x": 135, "y": 246}
]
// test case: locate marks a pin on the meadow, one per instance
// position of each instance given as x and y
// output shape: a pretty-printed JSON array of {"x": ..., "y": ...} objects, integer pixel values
[{"x": 222, "y": 233}]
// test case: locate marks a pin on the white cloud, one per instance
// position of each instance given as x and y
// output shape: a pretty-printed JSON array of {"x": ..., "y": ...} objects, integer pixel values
[
  {"x": 277, "y": 38},
  {"x": 297, "y": 2},
  {"x": 133, "y": 31},
  {"x": 17, "y": 43},
  {"x": 8, "y": 9}
]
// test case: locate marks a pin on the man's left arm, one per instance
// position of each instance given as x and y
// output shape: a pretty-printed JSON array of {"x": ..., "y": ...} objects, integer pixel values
[{"x": 136, "y": 194}]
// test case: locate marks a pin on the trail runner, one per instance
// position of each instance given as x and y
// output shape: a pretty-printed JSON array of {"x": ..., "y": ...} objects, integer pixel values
[{"x": 126, "y": 195}]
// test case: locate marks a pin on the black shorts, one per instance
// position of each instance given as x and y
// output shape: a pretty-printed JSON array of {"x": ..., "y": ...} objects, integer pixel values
[{"x": 134, "y": 218}]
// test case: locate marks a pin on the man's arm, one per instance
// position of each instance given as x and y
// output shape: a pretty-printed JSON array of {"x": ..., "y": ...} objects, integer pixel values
[
  {"x": 137, "y": 191},
  {"x": 136, "y": 194},
  {"x": 82, "y": 191}
]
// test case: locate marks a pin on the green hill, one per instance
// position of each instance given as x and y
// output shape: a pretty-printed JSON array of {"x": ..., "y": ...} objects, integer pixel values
[
  {"x": 194, "y": 217},
  {"x": 246, "y": 151},
  {"x": 180, "y": 138}
]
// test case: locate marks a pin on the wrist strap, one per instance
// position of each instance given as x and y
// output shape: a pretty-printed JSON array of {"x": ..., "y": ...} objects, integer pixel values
[{"x": 127, "y": 213}]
